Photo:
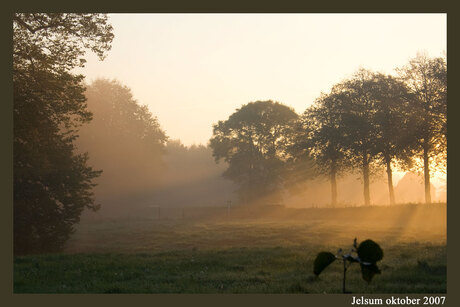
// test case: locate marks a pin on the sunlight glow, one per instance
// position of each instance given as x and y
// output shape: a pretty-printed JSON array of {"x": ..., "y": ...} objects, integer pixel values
[{"x": 195, "y": 69}]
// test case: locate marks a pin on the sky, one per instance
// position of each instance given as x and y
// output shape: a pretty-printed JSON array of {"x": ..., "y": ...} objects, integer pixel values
[{"x": 193, "y": 70}]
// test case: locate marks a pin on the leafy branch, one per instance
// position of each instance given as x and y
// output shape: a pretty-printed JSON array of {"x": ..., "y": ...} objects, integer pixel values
[{"x": 367, "y": 254}]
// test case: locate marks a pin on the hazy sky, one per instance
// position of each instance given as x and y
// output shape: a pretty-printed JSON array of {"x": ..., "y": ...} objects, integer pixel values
[{"x": 195, "y": 69}]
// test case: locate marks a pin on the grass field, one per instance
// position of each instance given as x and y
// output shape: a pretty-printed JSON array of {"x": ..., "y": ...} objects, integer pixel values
[{"x": 245, "y": 252}]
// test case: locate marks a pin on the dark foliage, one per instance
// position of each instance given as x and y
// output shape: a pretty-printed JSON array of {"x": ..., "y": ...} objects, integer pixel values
[
  {"x": 369, "y": 251},
  {"x": 322, "y": 261},
  {"x": 255, "y": 142},
  {"x": 52, "y": 184},
  {"x": 367, "y": 254}
]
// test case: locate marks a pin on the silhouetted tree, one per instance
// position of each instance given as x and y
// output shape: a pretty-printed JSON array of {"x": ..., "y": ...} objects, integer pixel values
[
  {"x": 52, "y": 184},
  {"x": 124, "y": 139},
  {"x": 393, "y": 123},
  {"x": 253, "y": 141},
  {"x": 322, "y": 138},
  {"x": 357, "y": 124},
  {"x": 427, "y": 80}
]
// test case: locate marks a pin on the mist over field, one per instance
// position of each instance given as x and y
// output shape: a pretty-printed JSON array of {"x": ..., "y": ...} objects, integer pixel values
[
  {"x": 232, "y": 153},
  {"x": 138, "y": 175}
]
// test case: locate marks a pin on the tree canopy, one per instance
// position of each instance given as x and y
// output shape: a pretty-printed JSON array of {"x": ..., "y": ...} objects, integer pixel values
[
  {"x": 356, "y": 103},
  {"x": 366, "y": 121},
  {"x": 427, "y": 81},
  {"x": 321, "y": 136},
  {"x": 393, "y": 123},
  {"x": 254, "y": 141},
  {"x": 52, "y": 184},
  {"x": 124, "y": 139}
]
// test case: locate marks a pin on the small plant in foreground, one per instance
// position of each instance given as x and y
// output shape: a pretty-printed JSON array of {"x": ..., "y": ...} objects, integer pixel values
[{"x": 367, "y": 254}]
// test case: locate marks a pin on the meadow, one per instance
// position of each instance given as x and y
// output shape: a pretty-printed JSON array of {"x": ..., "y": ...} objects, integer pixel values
[{"x": 243, "y": 251}]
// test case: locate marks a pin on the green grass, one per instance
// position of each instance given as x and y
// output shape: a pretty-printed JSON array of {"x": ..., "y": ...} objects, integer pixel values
[{"x": 264, "y": 255}]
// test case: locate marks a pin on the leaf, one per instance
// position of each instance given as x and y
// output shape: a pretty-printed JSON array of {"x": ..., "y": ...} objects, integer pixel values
[
  {"x": 368, "y": 271},
  {"x": 322, "y": 261},
  {"x": 369, "y": 251}
]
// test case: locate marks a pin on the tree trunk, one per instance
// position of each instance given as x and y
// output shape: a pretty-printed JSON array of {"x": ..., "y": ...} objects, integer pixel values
[
  {"x": 333, "y": 185},
  {"x": 367, "y": 197},
  {"x": 426, "y": 169},
  {"x": 390, "y": 181}
]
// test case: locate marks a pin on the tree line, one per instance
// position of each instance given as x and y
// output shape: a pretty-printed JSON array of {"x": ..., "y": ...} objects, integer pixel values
[
  {"x": 70, "y": 137},
  {"x": 141, "y": 165},
  {"x": 368, "y": 120}
]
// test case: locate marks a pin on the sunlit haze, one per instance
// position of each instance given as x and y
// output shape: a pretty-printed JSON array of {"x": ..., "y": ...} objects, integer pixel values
[
  {"x": 230, "y": 153},
  {"x": 195, "y": 69}
]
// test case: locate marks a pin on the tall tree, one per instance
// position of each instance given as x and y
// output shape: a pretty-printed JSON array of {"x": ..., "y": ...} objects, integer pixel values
[
  {"x": 357, "y": 123},
  {"x": 427, "y": 80},
  {"x": 254, "y": 144},
  {"x": 321, "y": 136},
  {"x": 393, "y": 124},
  {"x": 52, "y": 184}
]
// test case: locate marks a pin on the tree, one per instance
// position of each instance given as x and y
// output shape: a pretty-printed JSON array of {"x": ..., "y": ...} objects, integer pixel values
[
  {"x": 321, "y": 136},
  {"x": 254, "y": 142},
  {"x": 124, "y": 139},
  {"x": 427, "y": 80},
  {"x": 357, "y": 122},
  {"x": 52, "y": 184},
  {"x": 392, "y": 120}
]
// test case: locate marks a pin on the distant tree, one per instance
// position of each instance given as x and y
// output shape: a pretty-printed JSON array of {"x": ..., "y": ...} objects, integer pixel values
[
  {"x": 52, "y": 184},
  {"x": 254, "y": 142},
  {"x": 321, "y": 136},
  {"x": 124, "y": 139},
  {"x": 192, "y": 178},
  {"x": 427, "y": 80}
]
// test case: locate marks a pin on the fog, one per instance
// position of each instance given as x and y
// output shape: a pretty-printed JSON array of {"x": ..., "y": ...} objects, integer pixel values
[
  {"x": 143, "y": 170},
  {"x": 409, "y": 189},
  {"x": 220, "y": 153}
]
